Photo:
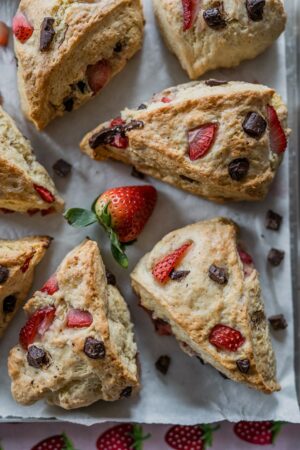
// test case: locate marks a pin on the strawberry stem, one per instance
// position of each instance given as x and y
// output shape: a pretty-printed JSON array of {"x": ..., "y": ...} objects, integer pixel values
[
  {"x": 207, "y": 434},
  {"x": 138, "y": 437},
  {"x": 275, "y": 429},
  {"x": 68, "y": 445}
]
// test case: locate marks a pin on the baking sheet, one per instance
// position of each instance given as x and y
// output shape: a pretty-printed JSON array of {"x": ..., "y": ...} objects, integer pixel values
[{"x": 190, "y": 393}]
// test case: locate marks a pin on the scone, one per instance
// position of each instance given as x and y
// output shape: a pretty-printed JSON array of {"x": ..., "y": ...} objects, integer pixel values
[
  {"x": 18, "y": 259},
  {"x": 209, "y": 34},
  {"x": 219, "y": 140},
  {"x": 77, "y": 346},
  {"x": 25, "y": 185},
  {"x": 202, "y": 286},
  {"x": 68, "y": 51}
]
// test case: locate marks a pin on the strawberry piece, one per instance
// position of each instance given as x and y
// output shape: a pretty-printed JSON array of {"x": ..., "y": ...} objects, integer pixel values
[
  {"x": 120, "y": 141},
  {"x": 164, "y": 266},
  {"x": 3, "y": 34},
  {"x": 98, "y": 75},
  {"x": 258, "y": 433},
  {"x": 57, "y": 442},
  {"x": 190, "y": 10},
  {"x": 278, "y": 139},
  {"x": 38, "y": 323},
  {"x": 77, "y": 318},
  {"x": 190, "y": 437},
  {"x": 117, "y": 121},
  {"x": 165, "y": 100},
  {"x": 201, "y": 140},
  {"x": 51, "y": 286},
  {"x": 25, "y": 266},
  {"x": 22, "y": 29},
  {"x": 122, "y": 437},
  {"x": 226, "y": 338},
  {"x": 129, "y": 208},
  {"x": 45, "y": 195},
  {"x": 244, "y": 256},
  {"x": 162, "y": 328}
]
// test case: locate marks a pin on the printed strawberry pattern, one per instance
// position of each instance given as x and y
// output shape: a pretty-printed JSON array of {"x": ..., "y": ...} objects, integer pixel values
[
  {"x": 122, "y": 437},
  {"x": 57, "y": 442},
  {"x": 186, "y": 437},
  {"x": 258, "y": 433}
]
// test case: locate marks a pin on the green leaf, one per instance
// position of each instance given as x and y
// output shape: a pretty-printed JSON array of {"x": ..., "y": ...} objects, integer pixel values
[
  {"x": 68, "y": 445},
  {"x": 207, "y": 434},
  {"x": 138, "y": 437},
  {"x": 275, "y": 429},
  {"x": 79, "y": 218}
]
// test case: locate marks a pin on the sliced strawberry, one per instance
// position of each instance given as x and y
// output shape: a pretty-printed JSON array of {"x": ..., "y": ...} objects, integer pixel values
[
  {"x": 226, "y": 338},
  {"x": 278, "y": 140},
  {"x": 98, "y": 75},
  {"x": 166, "y": 100},
  {"x": 117, "y": 121},
  {"x": 38, "y": 323},
  {"x": 45, "y": 195},
  {"x": 258, "y": 433},
  {"x": 77, "y": 318},
  {"x": 120, "y": 141},
  {"x": 51, "y": 286},
  {"x": 3, "y": 34},
  {"x": 190, "y": 11},
  {"x": 26, "y": 264},
  {"x": 22, "y": 29},
  {"x": 164, "y": 266},
  {"x": 244, "y": 256},
  {"x": 201, "y": 140}
]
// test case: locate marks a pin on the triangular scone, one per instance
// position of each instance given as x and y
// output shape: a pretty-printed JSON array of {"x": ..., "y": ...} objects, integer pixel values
[
  {"x": 74, "y": 50},
  {"x": 18, "y": 259},
  {"x": 209, "y": 297},
  {"x": 83, "y": 347},
  {"x": 219, "y": 33},
  {"x": 25, "y": 185},
  {"x": 219, "y": 140}
]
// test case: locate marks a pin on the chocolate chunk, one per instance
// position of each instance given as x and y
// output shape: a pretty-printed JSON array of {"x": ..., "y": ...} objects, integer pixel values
[
  {"x": 68, "y": 104},
  {"x": 243, "y": 365},
  {"x": 118, "y": 47},
  {"x": 62, "y": 168},
  {"x": 9, "y": 304},
  {"x": 218, "y": 274},
  {"x": 162, "y": 327},
  {"x": 278, "y": 322},
  {"x": 126, "y": 392},
  {"x": 136, "y": 174},
  {"x": 142, "y": 106},
  {"x": 163, "y": 364},
  {"x": 275, "y": 257},
  {"x": 238, "y": 168},
  {"x": 47, "y": 33},
  {"x": 254, "y": 125},
  {"x": 257, "y": 318},
  {"x": 273, "y": 220},
  {"x": 111, "y": 279},
  {"x": 255, "y": 9},
  {"x": 212, "y": 82},
  {"x": 214, "y": 18},
  {"x": 105, "y": 136},
  {"x": 179, "y": 274},
  {"x": 37, "y": 357},
  {"x": 93, "y": 348},
  {"x": 82, "y": 86},
  {"x": 4, "y": 274},
  {"x": 184, "y": 178}
]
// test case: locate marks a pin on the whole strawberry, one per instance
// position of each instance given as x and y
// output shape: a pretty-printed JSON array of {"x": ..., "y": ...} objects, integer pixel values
[
  {"x": 190, "y": 437},
  {"x": 123, "y": 213},
  {"x": 258, "y": 433},
  {"x": 58, "y": 442},
  {"x": 122, "y": 437}
]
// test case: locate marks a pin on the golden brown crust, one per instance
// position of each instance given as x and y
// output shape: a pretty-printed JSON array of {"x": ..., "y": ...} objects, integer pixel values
[{"x": 194, "y": 305}]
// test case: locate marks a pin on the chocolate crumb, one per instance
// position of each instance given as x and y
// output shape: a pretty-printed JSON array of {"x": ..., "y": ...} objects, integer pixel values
[
  {"x": 275, "y": 257},
  {"x": 137, "y": 174},
  {"x": 273, "y": 220},
  {"x": 93, "y": 348},
  {"x": 255, "y": 9},
  {"x": 278, "y": 322},
  {"x": 47, "y": 33},
  {"x": 9, "y": 304},
  {"x": 178, "y": 275},
  {"x": 68, "y": 104},
  {"x": 62, "y": 168},
  {"x": 37, "y": 357},
  {"x": 163, "y": 364},
  {"x": 218, "y": 274},
  {"x": 243, "y": 365},
  {"x": 111, "y": 279},
  {"x": 118, "y": 47},
  {"x": 82, "y": 86},
  {"x": 4, "y": 274},
  {"x": 126, "y": 393},
  {"x": 212, "y": 82}
]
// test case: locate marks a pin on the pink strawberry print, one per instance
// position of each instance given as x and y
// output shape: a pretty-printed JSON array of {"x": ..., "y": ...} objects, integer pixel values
[
  {"x": 57, "y": 442},
  {"x": 278, "y": 140},
  {"x": 190, "y": 10},
  {"x": 122, "y": 437},
  {"x": 190, "y": 437},
  {"x": 258, "y": 433},
  {"x": 21, "y": 27},
  {"x": 200, "y": 140}
]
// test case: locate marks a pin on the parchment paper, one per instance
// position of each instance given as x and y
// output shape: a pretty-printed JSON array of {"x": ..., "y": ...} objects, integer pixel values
[{"x": 190, "y": 393}]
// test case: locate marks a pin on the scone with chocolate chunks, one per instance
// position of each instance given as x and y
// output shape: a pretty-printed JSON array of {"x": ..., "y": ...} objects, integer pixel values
[
  {"x": 220, "y": 140},
  {"x": 25, "y": 185},
  {"x": 202, "y": 287},
  {"x": 77, "y": 346},
  {"x": 18, "y": 260},
  {"x": 209, "y": 34},
  {"x": 69, "y": 50}
]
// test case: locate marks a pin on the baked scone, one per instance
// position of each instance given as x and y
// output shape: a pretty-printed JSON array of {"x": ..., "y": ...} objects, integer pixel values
[
  {"x": 25, "y": 185},
  {"x": 203, "y": 287},
  {"x": 68, "y": 51},
  {"x": 18, "y": 259},
  {"x": 219, "y": 140},
  {"x": 77, "y": 346},
  {"x": 209, "y": 34}
]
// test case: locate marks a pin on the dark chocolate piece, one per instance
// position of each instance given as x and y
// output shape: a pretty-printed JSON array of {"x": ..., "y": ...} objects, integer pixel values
[
  {"x": 275, "y": 257},
  {"x": 254, "y": 125},
  {"x": 212, "y": 82},
  {"x": 118, "y": 47},
  {"x": 142, "y": 106},
  {"x": 111, "y": 279},
  {"x": 278, "y": 322},
  {"x": 137, "y": 174},
  {"x": 4, "y": 274},
  {"x": 126, "y": 393},
  {"x": 47, "y": 33},
  {"x": 107, "y": 135},
  {"x": 9, "y": 304},
  {"x": 218, "y": 274},
  {"x": 238, "y": 168},
  {"x": 243, "y": 365},
  {"x": 62, "y": 168},
  {"x": 37, "y": 357},
  {"x": 68, "y": 104},
  {"x": 214, "y": 18},
  {"x": 82, "y": 86},
  {"x": 93, "y": 348},
  {"x": 273, "y": 220},
  {"x": 163, "y": 364},
  {"x": 255, "y": 9},
  {"x": 178, "y": 275}
]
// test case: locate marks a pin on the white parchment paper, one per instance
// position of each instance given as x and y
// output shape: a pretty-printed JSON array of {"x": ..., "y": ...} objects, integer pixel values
[{"x": 191, "y": 392}]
